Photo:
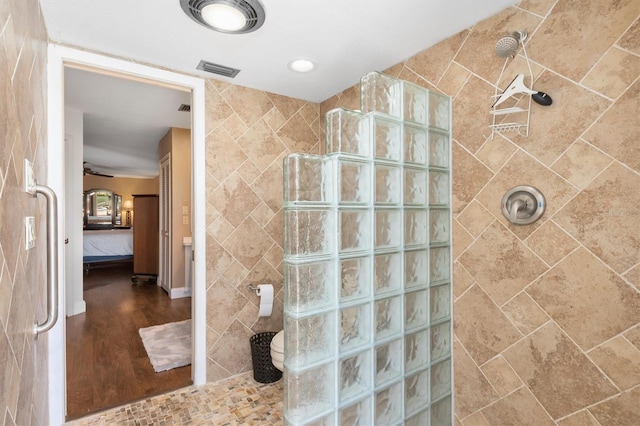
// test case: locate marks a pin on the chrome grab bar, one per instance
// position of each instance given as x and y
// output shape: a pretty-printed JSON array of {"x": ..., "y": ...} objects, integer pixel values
[{"x": 52, "y": 259}]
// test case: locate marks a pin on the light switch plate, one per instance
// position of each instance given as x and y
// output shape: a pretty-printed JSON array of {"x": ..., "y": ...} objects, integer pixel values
[
  {"x": 29, "y": 177},
  {"x": 30, "y": 232}
]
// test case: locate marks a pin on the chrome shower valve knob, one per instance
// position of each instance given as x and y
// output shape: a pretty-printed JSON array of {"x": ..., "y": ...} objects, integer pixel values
[{"x": 523, "y": 205}]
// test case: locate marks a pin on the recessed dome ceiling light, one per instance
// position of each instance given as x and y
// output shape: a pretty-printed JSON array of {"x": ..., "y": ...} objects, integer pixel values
[
  {"x": 226, "y": 16},
  {"x": 302, "y": 65},
  {"x": 223, "y": 17}
]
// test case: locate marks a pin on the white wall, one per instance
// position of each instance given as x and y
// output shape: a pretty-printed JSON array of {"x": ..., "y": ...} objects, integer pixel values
[{"x": 73, "y": 129}]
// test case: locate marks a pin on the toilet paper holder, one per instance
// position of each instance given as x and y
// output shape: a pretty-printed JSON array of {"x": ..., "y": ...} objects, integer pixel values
[
  {"x": 266, "y": 294},
  {"x": 255, "y": 288}
]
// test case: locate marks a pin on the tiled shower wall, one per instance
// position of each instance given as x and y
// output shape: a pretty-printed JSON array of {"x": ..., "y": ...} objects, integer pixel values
[
  {"x": 546, "y": 323},
  {"x": 23, "y": 128},
  {"x": 249, "y": 132},
  {"x": 546, "y": 316}
]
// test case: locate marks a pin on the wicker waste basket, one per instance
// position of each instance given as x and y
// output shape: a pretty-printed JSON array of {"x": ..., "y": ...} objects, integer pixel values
[{"x": 263, "y": 369}]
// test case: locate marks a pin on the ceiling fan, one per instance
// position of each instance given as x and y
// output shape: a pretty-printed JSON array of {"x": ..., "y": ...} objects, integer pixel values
[{"x": 87, "y": 170}]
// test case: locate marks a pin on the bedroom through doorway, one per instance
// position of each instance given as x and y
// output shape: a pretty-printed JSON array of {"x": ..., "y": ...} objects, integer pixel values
[{"x": 116, "y": 129}]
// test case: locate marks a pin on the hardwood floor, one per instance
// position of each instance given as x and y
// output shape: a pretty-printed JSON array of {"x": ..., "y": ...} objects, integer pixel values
[{"x": 107, "y": 364}]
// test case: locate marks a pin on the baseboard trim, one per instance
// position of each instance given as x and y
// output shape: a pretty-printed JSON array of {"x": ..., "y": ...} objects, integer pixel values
[
  {"x": 79, "y": 307},
  {"x": 177, "y": 293}
]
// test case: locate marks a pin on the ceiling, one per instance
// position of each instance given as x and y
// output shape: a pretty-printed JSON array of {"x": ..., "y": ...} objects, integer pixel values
[
  {"x": 123, "y": 120},
  {"x": 345, "y": 38}
]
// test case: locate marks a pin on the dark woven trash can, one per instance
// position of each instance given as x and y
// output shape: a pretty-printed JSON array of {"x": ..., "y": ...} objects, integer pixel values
[{"x": 263, "y": 369}]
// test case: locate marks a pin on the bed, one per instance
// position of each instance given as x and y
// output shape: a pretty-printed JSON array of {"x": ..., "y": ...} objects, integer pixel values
[{"x": 106, "y": 247}]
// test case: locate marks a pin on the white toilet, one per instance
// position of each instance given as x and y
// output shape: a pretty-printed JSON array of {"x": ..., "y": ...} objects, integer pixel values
[{"x": 277, "y": 350}]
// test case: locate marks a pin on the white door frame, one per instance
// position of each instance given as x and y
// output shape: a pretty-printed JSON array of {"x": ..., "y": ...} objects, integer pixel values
[
  {"x": 165, "y": 280},
  {"x": 59, "y": 57}
]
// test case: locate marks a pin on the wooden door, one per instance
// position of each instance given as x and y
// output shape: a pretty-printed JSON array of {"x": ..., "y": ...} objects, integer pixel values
[{"x": 145, "y": 234}]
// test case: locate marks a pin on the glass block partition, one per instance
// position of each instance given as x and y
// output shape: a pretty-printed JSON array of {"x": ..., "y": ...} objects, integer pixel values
[{"x": 367, "y": 266}]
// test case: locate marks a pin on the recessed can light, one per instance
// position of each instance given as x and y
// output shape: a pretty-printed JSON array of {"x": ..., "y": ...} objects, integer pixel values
[{"x": 302, "y": 65}]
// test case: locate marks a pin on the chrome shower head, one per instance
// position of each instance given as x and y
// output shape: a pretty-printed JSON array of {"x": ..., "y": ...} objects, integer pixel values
[{"x": 507, "y": 46}]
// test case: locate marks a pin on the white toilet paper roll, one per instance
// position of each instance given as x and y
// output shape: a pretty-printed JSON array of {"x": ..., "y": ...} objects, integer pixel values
[{"x": 265, "y": 292}]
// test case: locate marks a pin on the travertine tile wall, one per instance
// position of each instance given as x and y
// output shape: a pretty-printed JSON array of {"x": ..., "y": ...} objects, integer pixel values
[
  {"x": 249, "y": 132},
  {"x": 23, "y": 128},
  {"x": 546, "y": 316}
]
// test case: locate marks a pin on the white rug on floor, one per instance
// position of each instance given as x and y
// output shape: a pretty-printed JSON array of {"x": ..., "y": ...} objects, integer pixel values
[{"x": 168, "y": 345}]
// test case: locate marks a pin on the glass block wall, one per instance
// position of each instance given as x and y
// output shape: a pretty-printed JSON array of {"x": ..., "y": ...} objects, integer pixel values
[{"x": 367, "y": 268}]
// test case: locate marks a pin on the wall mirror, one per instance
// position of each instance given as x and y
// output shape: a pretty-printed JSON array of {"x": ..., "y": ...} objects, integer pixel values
[
  {"x": 117, "y": 201},
  {"x": 102, "y": 209}
]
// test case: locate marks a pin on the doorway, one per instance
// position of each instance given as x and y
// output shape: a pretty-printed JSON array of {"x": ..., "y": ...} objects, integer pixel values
[
  {"x": 59, "y": 58},
  {"x": 123, "y": 125}
]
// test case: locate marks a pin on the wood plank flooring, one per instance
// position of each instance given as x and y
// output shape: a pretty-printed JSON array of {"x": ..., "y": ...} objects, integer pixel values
[{"x": 107, "y": 364}]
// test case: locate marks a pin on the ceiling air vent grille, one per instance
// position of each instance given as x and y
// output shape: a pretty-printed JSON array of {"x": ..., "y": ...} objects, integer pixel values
[
  {"x": 217, "y": 69},
  {"x": 184, "y": 108}
]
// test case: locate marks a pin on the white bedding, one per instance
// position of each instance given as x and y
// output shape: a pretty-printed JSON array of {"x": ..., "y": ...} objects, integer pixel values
[{"x": 109, "y": 242}]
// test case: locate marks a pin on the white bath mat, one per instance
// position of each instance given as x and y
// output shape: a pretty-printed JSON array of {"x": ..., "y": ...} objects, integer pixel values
[{"x": 168, "y": 345}]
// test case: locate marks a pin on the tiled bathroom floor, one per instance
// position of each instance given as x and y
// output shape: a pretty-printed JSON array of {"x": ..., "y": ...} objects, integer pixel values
[{"x": 236, "y": 401}]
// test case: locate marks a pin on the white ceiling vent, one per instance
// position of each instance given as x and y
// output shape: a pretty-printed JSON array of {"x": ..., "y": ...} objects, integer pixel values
[{"x": 217, "y": 69}]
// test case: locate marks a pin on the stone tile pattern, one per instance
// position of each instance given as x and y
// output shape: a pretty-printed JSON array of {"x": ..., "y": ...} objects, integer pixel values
[
  {"x": 238, "y": 400},
  {"x": 23, "y": 131},
  {"x": 580, "y": 260},
  {"x": 248, "y": 134},
  {"x": 547, "y": 316}
]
